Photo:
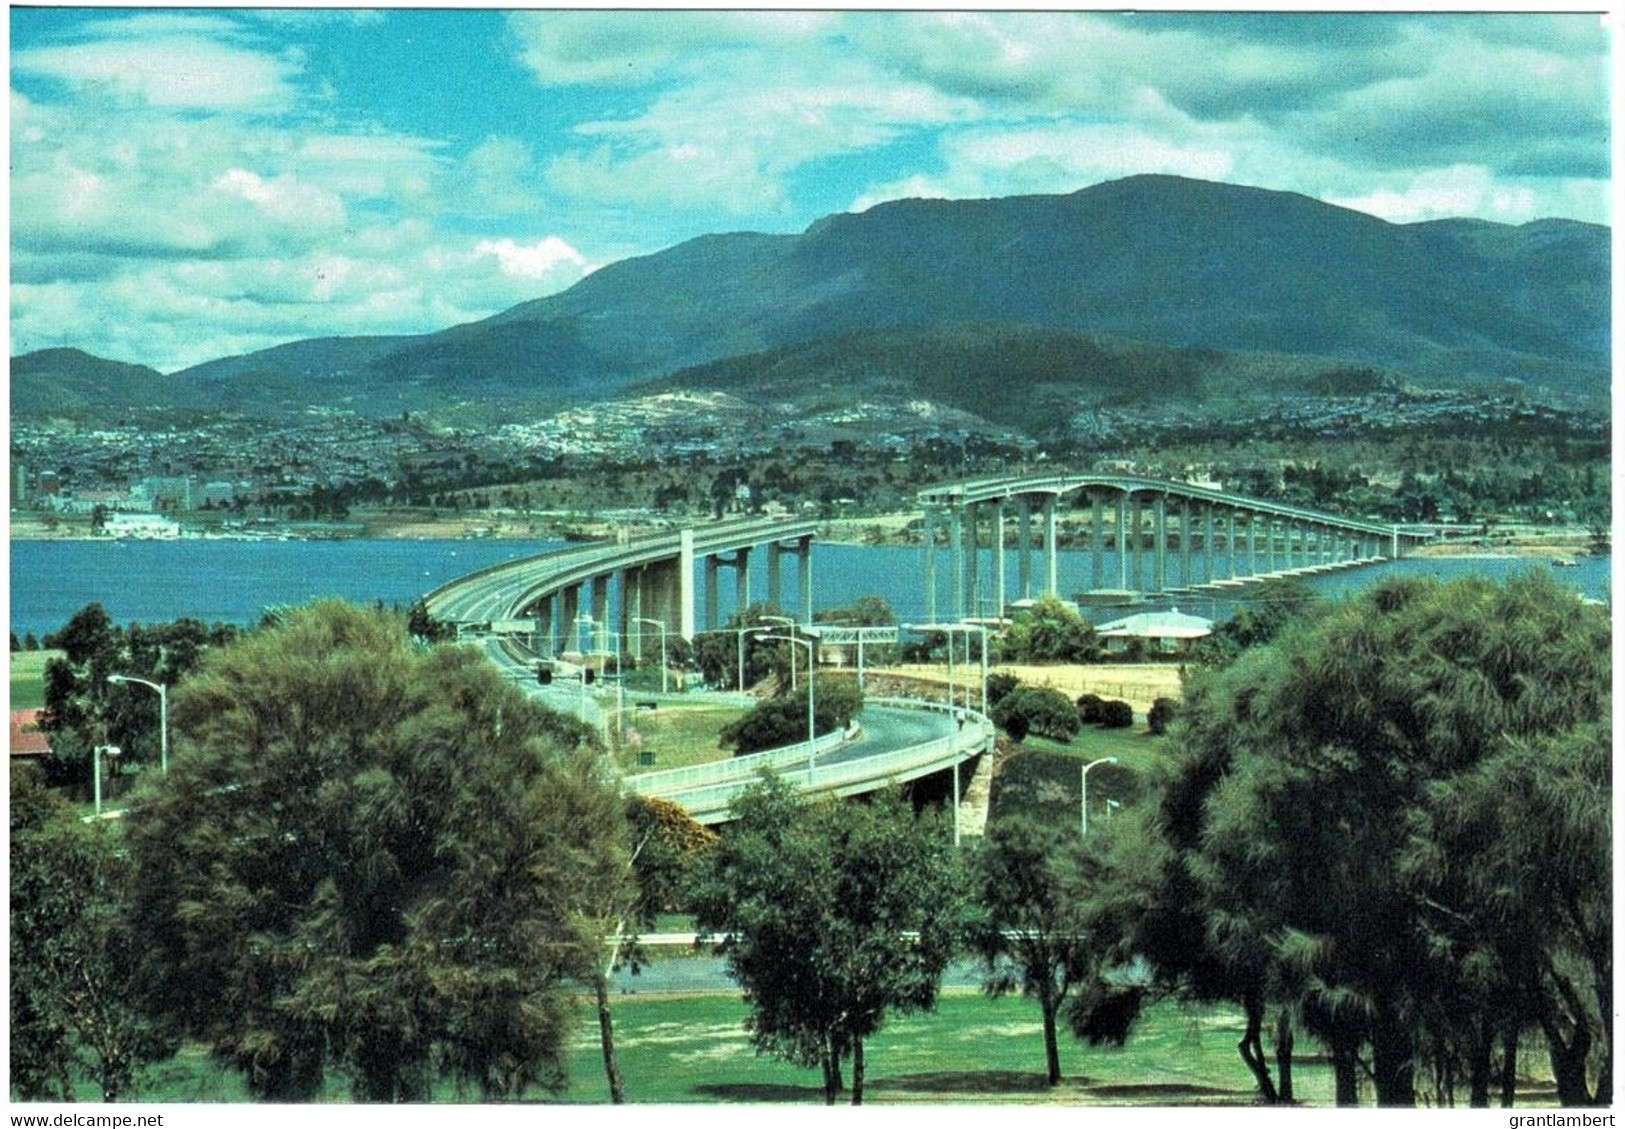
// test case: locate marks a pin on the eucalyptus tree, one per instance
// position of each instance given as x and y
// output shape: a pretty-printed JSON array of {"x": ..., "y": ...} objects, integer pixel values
[
  {"x": 373, "y": 858},
  {"x": 75, "y": 1006},
  {"x": 1030, "y": 932},
  {"x": 833, "y": 914},
  {"x": 1371, "y": 822}
]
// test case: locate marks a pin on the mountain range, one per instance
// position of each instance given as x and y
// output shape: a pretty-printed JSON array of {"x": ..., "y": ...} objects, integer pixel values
[{"x": 1184, "y": 277}]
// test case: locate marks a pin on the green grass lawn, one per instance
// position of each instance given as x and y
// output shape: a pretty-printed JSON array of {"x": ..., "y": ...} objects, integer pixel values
[
  {"x": 693, "y": 1049},
  {"x": 678, "y": 734},
  {"x": 970, "y": 1050},
  {"x": 28, "y": 678}
]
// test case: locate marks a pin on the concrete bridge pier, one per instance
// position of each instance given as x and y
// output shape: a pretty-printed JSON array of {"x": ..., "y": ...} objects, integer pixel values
[
  {"x": 739, "y": 561},
  {"x": 999, "y": 589},
  {"x": 1097, "y": 540},
  {"x": 630, "y": 583},
  {"x": 929, "y": 532},
  {"x": 1209, "y": 551},
  {"x": 1024, "y": 546},
  {"x": 1052, "y": 562},
  {"x": 600, "y": 613},
  {"x": 802, "y": 548},
  {"x": 1160, "y": 533}
]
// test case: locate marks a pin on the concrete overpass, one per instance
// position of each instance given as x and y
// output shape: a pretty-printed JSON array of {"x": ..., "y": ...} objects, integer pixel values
[
  {"x": 650, "y": 577},
  {"x": 1240, "y": 538}
]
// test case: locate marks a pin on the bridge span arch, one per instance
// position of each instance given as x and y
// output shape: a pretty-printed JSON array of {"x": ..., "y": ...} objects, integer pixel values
[
  {"x": 649, "y": 579},
  {"x": 1164, "y": 537}
]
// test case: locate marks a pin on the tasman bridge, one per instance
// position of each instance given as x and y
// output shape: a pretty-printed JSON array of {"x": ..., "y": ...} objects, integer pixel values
[
  {"x": 1157, "y": 530},
  {"x": 533, "y": 608}
]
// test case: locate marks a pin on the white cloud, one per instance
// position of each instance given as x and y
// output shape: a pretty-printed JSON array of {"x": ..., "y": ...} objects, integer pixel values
[
  {"x": 539, "y": 260},
  {"x": 170, "y": 71},
  {"x": 1464, "y": 190}
]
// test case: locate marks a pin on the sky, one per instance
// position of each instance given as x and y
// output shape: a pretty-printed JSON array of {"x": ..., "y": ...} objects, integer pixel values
[{"x": 194, "y": 183}]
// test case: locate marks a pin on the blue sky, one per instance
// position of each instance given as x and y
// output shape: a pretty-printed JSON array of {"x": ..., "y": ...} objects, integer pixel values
[{"x": 192, "y": 183}]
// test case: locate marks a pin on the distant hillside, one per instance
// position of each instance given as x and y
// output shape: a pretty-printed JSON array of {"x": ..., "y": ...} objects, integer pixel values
[
  {"x": 1185, "y": 264},
  {"x": 70, "y": 382},
  {"x": 1029, "y": 378}
]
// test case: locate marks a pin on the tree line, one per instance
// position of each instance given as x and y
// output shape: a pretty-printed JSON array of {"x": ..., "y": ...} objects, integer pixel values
[{"x": 1386, "y": 828}]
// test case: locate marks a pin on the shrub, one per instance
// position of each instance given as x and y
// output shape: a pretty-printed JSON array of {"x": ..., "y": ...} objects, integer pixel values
[
  {"x": 1116, "y": 714},
  {"x": 1163, "y": 711},
  {"x": 1000, "y": 686},
  {"x": 1039, "y": 710},
  {"x": 1089, "y": 709}
]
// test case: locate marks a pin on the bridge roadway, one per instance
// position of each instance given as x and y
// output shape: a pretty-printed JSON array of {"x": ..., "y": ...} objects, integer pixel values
[
  {"x": 1259, "y": 538},
  {"x": 897, "y": 741},
  {"x": 651, "y": 575}
]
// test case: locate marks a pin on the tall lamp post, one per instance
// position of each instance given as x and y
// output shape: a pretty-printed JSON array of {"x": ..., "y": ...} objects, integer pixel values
[
  {"x": 660, "y": 624},
  {"x": 112, "y": 752},
  {"x": 812, "y": 745},
  {"x": 1083, "y": 779},
  {"x": 163, "y": 713}
]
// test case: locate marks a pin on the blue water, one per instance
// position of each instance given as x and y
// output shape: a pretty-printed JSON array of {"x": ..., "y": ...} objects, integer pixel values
[{"x": 235, "y": 581}]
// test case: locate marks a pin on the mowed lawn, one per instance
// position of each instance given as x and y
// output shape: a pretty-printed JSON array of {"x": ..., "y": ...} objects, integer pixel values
[
  {"x": 674, "y": 734},
  {"x": 971, "y": 1050},
  {"x": 28, "y": 678}
]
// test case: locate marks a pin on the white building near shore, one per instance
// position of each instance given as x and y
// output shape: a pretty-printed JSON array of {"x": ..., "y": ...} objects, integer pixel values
[{"x": 150, "y": 527}]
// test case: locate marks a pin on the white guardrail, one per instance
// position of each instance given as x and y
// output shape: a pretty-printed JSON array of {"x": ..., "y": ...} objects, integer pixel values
[{"x": 707, "y": 790}]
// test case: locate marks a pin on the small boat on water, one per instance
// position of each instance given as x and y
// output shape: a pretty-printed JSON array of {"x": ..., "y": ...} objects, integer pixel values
[{"x": 1565, "y": 562}]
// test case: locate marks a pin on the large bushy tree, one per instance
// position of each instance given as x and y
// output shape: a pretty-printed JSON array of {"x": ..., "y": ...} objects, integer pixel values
[
  {"x": 1393, "y": 822},
  {"x": 373, "y": 858},
  {"x": 1031, "y": 932},
  {"x": 75, "y": 1005},
  {"x": 83, "y": 710},
  {"x": 833, "y": 914}
]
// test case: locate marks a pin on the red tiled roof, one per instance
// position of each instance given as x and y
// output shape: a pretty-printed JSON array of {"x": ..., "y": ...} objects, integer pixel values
[{"x": 26, "y": 739}]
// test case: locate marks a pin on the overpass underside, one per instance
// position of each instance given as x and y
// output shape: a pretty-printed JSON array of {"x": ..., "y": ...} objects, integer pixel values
[{"x": 1139, "y": 541}]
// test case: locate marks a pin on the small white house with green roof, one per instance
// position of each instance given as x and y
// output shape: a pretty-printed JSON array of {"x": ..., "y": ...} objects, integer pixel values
[{"x": 1170, "y": 632}]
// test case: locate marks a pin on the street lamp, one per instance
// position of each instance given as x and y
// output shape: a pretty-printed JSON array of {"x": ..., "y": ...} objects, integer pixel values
[
  {"x": 660, "y": 624},
  {"x": 1083, "y": 779},
  {"x": 112, "y": 752},
  {"x": 163, "y": 713},
  {"x": 812, "y": 746}
]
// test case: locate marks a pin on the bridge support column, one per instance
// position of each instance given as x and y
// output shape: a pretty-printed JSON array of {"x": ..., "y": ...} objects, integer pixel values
[
  {"x": 956, "y": 542},
  {"x": 1208, "y": 549},
  {"x": 685, "y": 582},
  {"x": 631, "y": 588},
  {"x": 544, "y": 626},
  {"x": 775, "y": 575},
  {"x": 1052, "y": 582},
  {"x": 998, "y": 562},
  {"x": 1187, "y": 530},
  {"x": 1024, "y": 547},
  {"x": 711, "y": 567},
  {"x": 929, "y": 531},
  {"x": 1252, "y": 544},
  {"x": 741, "y": 582},
  {"x": 1160, "y": 516},
  {"x": 1269, "y": 544},
  {"x": 804, "y": 562},
  {"x": 1230, "y": 543},
  {"x": 1097, "y": 539},
  {"x": 569, "y": 612},
  {"x": 1137, "y": 540},
  {"x": 1122, "y": 541},
  {"x": 972, "y": 562},
  {"x": 600, "y": 613}
]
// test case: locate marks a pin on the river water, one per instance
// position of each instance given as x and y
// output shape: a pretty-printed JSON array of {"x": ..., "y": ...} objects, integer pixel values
[{"x": 235, "y": 581}]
